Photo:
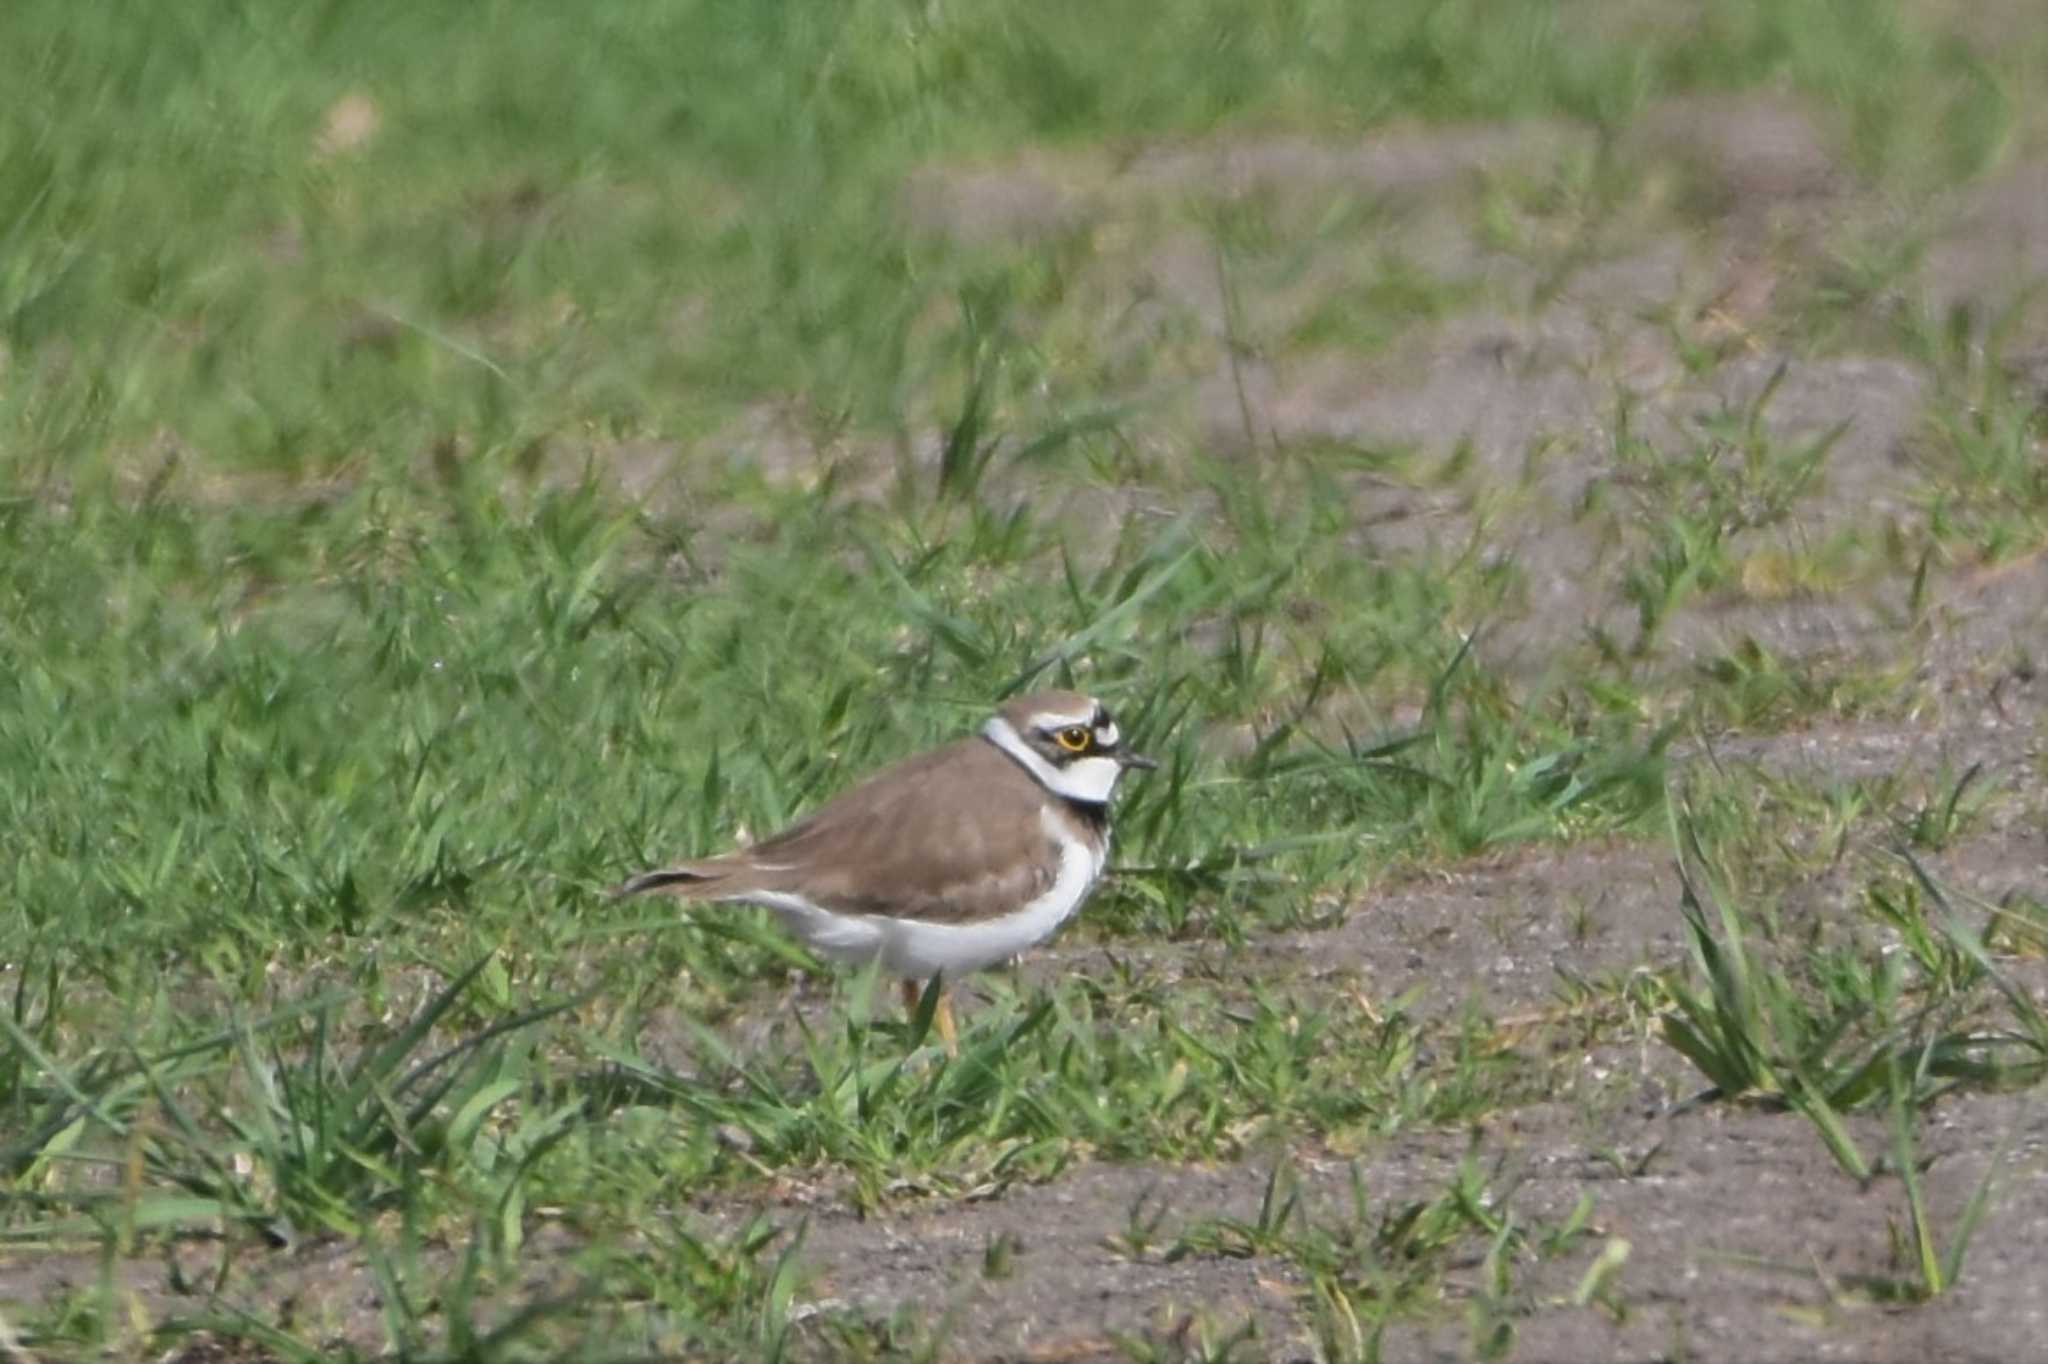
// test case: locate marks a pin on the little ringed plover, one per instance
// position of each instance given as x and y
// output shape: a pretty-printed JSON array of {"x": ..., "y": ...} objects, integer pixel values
[{"x": 950, "y": 861}]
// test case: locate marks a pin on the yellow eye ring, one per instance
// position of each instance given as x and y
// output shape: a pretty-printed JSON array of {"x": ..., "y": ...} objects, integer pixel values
[{"x": 1074, "y": 738}]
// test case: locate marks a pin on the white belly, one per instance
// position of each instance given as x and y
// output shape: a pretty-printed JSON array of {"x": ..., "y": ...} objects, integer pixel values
[{"x": 917, "y": 951}]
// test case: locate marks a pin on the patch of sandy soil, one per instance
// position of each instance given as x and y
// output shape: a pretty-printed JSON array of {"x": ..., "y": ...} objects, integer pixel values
[
  {"x": 1681, "y": 321},
  {"x": 1744, "y": 1242},
  {"x": 1040, "y": 192},
  {"x": 1996, "y": 237}
]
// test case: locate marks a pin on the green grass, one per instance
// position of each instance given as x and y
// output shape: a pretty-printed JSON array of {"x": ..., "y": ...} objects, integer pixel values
[
  {"x": 380, "y": 768},
  {"x": 1370, "y": 1265},
  {"x": 1848, "y": 1025},
  {"x": 581, "y": 232},
  {"x": 341, "y": 676}
]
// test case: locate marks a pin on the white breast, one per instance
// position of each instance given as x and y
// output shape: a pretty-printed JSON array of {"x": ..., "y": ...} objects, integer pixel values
[{"x": 919, "y": 950}]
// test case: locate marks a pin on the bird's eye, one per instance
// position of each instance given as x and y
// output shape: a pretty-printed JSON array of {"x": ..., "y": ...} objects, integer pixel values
[{"x": 1074, "y": 738}]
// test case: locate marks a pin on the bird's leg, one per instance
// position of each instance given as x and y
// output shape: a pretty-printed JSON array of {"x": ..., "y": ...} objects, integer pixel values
[{"x": 942, "y": 1013}]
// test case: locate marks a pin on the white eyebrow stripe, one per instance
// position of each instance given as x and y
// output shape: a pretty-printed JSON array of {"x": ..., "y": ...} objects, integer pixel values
[{"x": 1052, "y": 719}]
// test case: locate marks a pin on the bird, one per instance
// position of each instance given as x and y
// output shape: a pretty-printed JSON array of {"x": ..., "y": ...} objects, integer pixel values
[{"x": 952, "y": 860}]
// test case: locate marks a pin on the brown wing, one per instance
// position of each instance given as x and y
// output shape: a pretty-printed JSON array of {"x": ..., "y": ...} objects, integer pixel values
[
  {"x": 950, "y": 836},
  {"x": 767, "y": 865}
]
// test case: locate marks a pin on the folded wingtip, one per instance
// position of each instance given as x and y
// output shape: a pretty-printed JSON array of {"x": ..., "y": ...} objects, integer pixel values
[{"x": 652, "y": 880}]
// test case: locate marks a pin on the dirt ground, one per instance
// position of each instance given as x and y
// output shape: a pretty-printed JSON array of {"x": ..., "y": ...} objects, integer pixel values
[
  {"x": 1745, "y": 1243},
  {"x": 1739, "y": 1231}
]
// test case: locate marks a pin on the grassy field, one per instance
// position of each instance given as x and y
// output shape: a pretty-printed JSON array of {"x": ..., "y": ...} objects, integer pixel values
[{"x": 1562, "y": 487}]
